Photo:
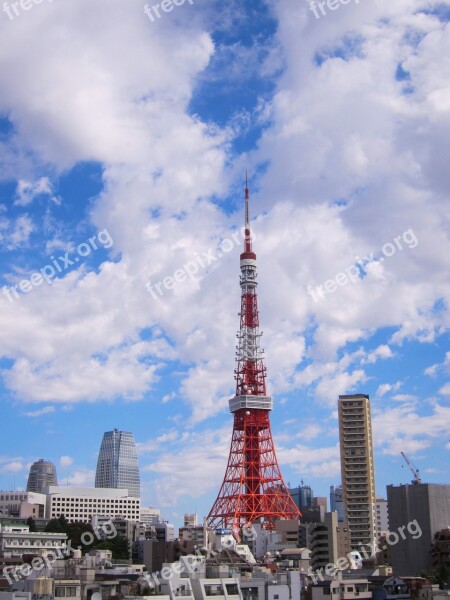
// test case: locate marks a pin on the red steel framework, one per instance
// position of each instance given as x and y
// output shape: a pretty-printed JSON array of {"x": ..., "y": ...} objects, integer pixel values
[{"x": 253, "y": 489}]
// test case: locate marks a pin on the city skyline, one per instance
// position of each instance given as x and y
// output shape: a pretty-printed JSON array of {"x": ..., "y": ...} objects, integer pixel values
[{"x": 121, "y": 179}]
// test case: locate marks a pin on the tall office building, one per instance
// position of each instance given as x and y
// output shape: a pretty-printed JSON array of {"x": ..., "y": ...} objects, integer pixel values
[
  {"x": 357, "y": 467},
  {"x": 42, "y": 474},
  {"x": 416, "y": 513},
  {"x": 336, "y": 502},
  {"x": 302, "y": 496},
  {"x": 117, "y": 465}
]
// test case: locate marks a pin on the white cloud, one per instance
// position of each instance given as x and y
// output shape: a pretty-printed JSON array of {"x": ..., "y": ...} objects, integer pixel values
[
  {"x": 66, "y": 461},
  {"x": 41, "y": 411},
  {"x": 370, "y": 152},
  {"x": 16, "y": 233},
  {"x": 27, "y": 191},
  {"x": 192, "y": 468},
  {"x": 382, "y": 351},
  {"x": 402, "y": 429},
  {"x": 432, "y": 370},
  {"x": 445, "y": 390},
  {"x": 318, "y": 462},
  {"x": 82, "y": 477},
  {"x": 11, "y": 467},
  {"x": 384, "y": 388},
  {"x": 404, "y": 398}
]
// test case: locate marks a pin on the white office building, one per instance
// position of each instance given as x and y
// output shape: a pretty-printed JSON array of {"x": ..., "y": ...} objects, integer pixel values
[
  {"x": 17, "y": 541},
  {"x": 22, "y": 504},
  {"x": 81, "y": 504},
  {"x": 382, "y": 516},
  {"x": 150, "y": 515}
]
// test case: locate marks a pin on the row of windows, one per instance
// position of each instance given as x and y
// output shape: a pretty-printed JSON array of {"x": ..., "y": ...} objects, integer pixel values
[
  {"x": 66, "y": 592},
  {"x": 74, "y": 501},
  {"x": 11, "y": 497}
]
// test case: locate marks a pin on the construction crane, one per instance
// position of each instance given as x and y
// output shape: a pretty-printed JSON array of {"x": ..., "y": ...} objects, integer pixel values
[{"x": 413, "y": 468}]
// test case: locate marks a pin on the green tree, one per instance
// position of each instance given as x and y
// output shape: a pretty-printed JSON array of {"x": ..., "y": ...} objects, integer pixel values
[
  {"x": 438, "y": 576},
  {"x": 31, "y": 524},
  {"x": 75, "y": 533},
  {"x": 118, "y": 545},
  {"x": 58, "y": 525}
]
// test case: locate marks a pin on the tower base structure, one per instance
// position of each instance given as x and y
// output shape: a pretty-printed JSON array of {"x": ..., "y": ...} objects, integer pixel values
[{"x": 253, "y": 489}]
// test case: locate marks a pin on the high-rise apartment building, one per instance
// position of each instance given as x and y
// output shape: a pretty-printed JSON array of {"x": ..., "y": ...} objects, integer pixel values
[
  {"x": 117, "y": 465},
  {"x": 357, "y": 467},
  {"x": 42, "y": 474}
]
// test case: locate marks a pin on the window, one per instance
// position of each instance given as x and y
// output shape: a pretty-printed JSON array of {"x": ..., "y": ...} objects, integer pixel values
[
  {"x": 214, "y": 589},
  {"x": 233, "y": 590}
]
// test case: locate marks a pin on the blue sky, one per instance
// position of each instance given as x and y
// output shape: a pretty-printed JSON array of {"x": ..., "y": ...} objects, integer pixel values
[{"x": 123, "y": 150}]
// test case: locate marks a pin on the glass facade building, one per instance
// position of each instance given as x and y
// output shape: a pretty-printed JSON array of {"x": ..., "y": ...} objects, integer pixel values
[
  {"x": 42, "y": 474},
  {"x": 336, "y": 502},
  {"x": 302, "y": 496},
  {"x": 117, "y": 465}
]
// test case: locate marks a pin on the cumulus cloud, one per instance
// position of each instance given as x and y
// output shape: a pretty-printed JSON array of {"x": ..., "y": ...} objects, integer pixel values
[
  {"x": 371, "y": 178},
  {"x": 27, "y": 191},
  {"x": 384, "y": 388},
  {"x": 66, "y": 461},
  {"x": 13, "y": 466},
  {"x": 403, "y": 428}
]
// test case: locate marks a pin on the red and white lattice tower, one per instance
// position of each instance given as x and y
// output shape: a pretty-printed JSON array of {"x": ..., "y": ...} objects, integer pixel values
[{"x": 253, "y": 489}]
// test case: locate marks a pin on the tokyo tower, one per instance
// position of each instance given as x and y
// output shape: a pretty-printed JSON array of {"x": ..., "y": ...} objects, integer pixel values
[{"x": 253, "y": 489}]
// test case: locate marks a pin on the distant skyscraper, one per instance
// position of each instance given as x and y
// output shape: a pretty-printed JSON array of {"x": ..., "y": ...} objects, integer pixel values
[
  {"x": 117, "y": 465},
  {"x": 302, "y": 496},
  {"x": 336, "y": 502},
  {"x": 357, "y": 468},
  {"x": 322, "y": 502},
  {"x": 42, "y": 474}
]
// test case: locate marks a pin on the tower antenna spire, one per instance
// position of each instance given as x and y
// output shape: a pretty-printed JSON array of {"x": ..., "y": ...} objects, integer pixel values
[
  {"x": 248, "y": 234},
  {"x": 247, "y": 215}
]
